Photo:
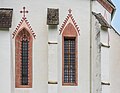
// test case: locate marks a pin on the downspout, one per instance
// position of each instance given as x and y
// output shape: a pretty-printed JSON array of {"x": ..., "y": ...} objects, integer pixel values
[{"x": 90, "y": 46}]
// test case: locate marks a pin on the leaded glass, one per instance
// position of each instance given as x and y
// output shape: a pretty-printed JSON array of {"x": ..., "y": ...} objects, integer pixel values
[
  {"x": 69, "y": 60},
  {"x": 24, "y": 65}
]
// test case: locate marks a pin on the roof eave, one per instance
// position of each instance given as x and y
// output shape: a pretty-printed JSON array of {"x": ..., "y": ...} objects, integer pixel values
[{"x": 114, "y": 8}]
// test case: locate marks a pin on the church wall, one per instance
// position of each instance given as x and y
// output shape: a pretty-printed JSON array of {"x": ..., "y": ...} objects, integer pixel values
[
  {"x": 52, "y": 59},
  {"x": 37, "y": 17},
  {"x": 5, "y": 61},
  {"x": 114, "y": 61},
  {"x": 95, "y": 56},
  {"x": 105, "y": 75},
  {"x": 83, "y": 50},
  {"x": 100, "y": 58},
  {"x": 98, "y": 8},
  {"x": 105, "y": 67},
  {"x": 104, "y": 39}
]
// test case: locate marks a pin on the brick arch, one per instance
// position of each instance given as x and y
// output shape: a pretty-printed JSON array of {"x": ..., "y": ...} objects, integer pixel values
[
  {"x": 69, "y": 31},
  {"x": 23, "y": 35}
]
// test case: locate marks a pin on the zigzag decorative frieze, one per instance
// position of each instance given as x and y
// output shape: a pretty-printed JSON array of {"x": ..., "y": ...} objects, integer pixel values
[
  {"x": 19, "y": 25},
  {"x": 69, "y": 16},
  {"x": 24, "y": 19}
]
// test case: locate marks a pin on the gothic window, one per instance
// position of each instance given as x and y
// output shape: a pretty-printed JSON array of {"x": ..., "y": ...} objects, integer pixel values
[
  {"x": 24, "y": 63},
  {"x": 69, "y": 56},
  {"x": 69, "y": 60},
  {"x": 23, "y": 55}
]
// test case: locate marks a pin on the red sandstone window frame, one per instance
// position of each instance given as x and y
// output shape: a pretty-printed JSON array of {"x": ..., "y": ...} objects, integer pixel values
[
  {"x": 18, "y": 59},
  {"x": 70, "y": 32}
]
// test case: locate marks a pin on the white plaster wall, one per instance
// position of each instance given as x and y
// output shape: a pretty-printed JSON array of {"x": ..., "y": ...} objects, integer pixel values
[
  {"x": 105, "y": 69},
  {"x": 37, "y": 17},
  {"x": 114, "y": 62},
  {"x": 82, "y": 18},
  {"x": 96, "y": 56},
  {"x": 105, "y": 66},
  {"x": 100, "y": 62},
  {"x": 53, "y": 58},
  {"x": 106, "y": 89},
  {"x": 105, "y": 37},
  {"x": 98, "y": 8},
  {"x": 5, "y": 61}
]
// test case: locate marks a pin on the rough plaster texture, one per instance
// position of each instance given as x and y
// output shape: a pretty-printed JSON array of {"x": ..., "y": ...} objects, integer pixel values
[
  {"x": 114, "y": 61},
  {"x": 5, "y": 61}
]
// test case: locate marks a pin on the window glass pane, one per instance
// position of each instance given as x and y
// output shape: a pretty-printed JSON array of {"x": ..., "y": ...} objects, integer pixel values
[
  {"x": 69, "y": 60},
  {"x": 24, "y": 65}
]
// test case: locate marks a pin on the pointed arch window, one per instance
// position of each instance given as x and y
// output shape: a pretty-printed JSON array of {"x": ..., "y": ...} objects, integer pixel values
[
  {"x": 69, "y": 60},
  {"x": 23, "y": 58},
  {"x": 69, "y": 55}
]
